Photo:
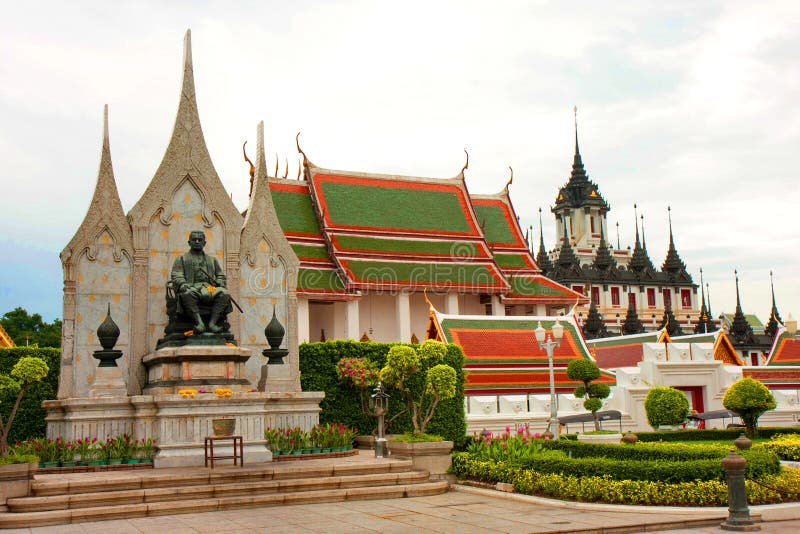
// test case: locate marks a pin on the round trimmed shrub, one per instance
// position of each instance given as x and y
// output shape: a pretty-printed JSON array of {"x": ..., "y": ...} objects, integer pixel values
[
  {"x": 749, "y": 398},
  {"x": 665, "y": 406}
]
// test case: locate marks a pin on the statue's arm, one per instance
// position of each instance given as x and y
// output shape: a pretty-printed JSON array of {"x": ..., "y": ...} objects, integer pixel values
[
  {"x": 219, "y": 275},
  {"x": 178, "y": 277}
]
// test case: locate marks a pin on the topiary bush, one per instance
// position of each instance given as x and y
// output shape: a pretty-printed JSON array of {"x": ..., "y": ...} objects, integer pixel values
[
  {"x": 341, "y": 403},
  {"x": 30, "y": 417},
  {"x": 749, "y": 398},
  {"x": 710, "y": 434},
  {"x": 786, "y": 446},
  {"x": 665, "y": 406},
  {"x": 586, "y": 371}
]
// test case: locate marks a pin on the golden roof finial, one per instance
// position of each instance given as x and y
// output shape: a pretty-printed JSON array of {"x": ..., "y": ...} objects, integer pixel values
[
  {"x": 510, "y": 179},
  {"x": 252, "y": 167}
]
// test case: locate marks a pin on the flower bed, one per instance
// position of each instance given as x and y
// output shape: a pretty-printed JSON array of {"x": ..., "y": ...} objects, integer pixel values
[
  {"x": 327, "y": 438},
  {"x": 786, "y": 446},
  {"x": 88, "y": 452}
]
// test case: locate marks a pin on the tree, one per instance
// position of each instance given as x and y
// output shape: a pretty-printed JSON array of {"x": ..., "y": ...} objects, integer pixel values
[
  {"x": 585, "y": 371},
  {"x": 27, "y": 329},
  {"x": 421, "y": 370},
  {"x": 665, "y": 406},
  {"x": 749, "y": 398},
  {"x": 28, "y": 370}
]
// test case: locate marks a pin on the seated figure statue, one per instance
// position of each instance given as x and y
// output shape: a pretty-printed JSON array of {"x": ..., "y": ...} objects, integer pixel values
[{"x": 198, "y": 279}]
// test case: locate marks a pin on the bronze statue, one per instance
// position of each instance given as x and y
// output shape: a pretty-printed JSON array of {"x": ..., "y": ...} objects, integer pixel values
[{"x": 198, "y": 279}]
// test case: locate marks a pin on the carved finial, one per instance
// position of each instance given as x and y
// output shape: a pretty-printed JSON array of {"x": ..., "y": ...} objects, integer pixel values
[
  {"x": 286, "y": 173},
  {"x": 252, "y": 167},
  {"x": 299, "y": 168},
  {"x": 466, "y": 163},
  {"x": 106, "y": 143},
  {"x": 276, "y": 165},
  {"x": 510, "y": 179},
  {"x": 427, "y": 300},
  {"x": 300, "y": 150}
]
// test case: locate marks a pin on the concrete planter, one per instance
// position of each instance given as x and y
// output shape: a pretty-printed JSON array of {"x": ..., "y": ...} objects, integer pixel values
[
  {"x": 431, "y": 456},
  {"x": 613, "y": 439},
  {"x": 15, "y": 481}
]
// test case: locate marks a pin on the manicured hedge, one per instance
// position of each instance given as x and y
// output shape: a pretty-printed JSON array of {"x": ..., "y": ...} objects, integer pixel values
[
  {"x": 30, "y": 419},
  {"x": 605, "y": 489},
  {"x": 342, "y": 403},
  {"x": 639, "y": 451},
  {"x": 759, "y": 463},
  {"x": 712, "y": 434}
]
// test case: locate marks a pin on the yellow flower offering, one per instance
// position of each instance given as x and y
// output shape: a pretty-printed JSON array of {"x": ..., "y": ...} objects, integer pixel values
[
  {"x": 223, "y": 392},
  {"x": 187, "y": 393}
]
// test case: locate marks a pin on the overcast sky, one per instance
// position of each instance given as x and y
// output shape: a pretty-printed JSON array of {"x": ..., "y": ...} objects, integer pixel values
[{"x": 691, "y": 104}]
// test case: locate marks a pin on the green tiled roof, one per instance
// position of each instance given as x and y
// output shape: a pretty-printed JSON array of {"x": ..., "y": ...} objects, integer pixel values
[
  {"x": 392, "y": 207},
  {"x": 495, "y": 225},
  {"x": 387, "y": 273},
  {"x": 531, "y": 287},
  {"x": 407, "y": 246},
  {"x": 295, "y": 212},
  {"x": 316, "y": 252},
  {"x": 510, "y": 260},
  {"x": 319, "y": 279}
]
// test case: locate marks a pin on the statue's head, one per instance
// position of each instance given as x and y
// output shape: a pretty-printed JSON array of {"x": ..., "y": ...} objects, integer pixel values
[{"x": 197, "y": 240}]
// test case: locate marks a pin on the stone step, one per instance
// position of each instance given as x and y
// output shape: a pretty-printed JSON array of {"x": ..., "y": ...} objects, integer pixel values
[
  {"x": 197, "y": 476},
  {"x": 180, "y": 492},
  {"x": 195, "y": 505}
]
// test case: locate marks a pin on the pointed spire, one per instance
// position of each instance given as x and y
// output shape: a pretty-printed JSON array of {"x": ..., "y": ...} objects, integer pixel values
[
  {"x": 644, "y": 241},
  {"x": 741, "y": 330},
  {"x": 669, "y": 322},
  {"x": 673, "y": 265},
  {"x": 708, "y": 292},
  {"x": 603, "y": 259},
  {"x": 618, "y": 247},
  {"x": 774, "y": 317},
  {"x": 542, "y": 259},
  {"x": 640, "y": 261},
  {"x": 594, "y": 327},
  {"x": 578, "y": 171},
  {"x": 701, "y": 327},
  {"x": 632, "y": 324},
  {"x": 566, "y": 256}
]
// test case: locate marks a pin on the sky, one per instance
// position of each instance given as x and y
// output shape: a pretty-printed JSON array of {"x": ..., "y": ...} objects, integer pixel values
[{"x": 690, "y": 104}]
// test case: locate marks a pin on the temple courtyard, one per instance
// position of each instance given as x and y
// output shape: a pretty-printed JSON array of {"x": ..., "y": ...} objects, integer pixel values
[{"x": 462, "y": 510}]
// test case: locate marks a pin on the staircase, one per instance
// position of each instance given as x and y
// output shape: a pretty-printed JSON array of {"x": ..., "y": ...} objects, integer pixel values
[{"x": 82, "y": 497}]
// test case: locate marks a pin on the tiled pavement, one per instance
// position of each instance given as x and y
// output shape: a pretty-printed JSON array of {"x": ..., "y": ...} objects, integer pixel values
[{"x": 461, "y": 512}]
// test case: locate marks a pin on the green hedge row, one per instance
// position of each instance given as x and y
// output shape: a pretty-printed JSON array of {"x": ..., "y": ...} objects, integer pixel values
[
  {"x": 639, "y": 451},
  {"x": 604, "y": 489},
  {"x": 759, "y": 463},
  {"x": 30, "y": 419},
  {"x": 712, "y": 434},
  {"x": 342, "y": 403}
]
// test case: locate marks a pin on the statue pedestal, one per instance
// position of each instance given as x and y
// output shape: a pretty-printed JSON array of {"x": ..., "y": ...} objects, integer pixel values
[
  {"x": 171, "y": 369},
  {"x": 179, "y": 425},
  {"x": 108, "y": 383}
]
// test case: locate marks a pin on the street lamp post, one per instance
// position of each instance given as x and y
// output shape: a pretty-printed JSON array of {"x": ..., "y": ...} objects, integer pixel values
[
  {"x": 549, "y": 345},
  {"x": 379, "y": 403}
]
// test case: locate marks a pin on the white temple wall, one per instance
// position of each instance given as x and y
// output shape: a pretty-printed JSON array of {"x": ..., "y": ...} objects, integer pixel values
[
  {"x": 471, "y": 305},
  {"x": 102, "y": 280}
]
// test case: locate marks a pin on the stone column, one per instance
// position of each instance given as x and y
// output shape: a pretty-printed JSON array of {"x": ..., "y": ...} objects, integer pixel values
[
  {"x": 351, "y": 321},
  {"x": 451, "y": 303},
  {"x": 303, "y": 321},
  {"x": 402, "y": 309},
  {"x": 497, "y": 307}
]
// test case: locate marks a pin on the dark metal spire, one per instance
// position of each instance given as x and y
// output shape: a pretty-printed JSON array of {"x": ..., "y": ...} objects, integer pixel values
[
  {"x": 542, "y": 259},
  {"x": 594, "y": 327},
  {"x": 671, "y": 323},
  {"x": 640, "y": 261},
  {"x": 632, "y": 324},
  {"x": 673, "y": 265},
  {"x": 603, "y": 259},
  {"x": 774, "y": 317},
  {"x": 702, "y": 325},
  {"x": 741, "y": 330},
  {"x": 566, "y": 256}
]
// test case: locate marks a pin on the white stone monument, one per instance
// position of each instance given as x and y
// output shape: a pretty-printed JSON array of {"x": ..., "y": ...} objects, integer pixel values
[{"x": 122, "y": 263}]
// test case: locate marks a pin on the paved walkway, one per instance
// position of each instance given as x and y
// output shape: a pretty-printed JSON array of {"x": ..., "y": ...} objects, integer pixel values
[{"x": 462, "y": 511}]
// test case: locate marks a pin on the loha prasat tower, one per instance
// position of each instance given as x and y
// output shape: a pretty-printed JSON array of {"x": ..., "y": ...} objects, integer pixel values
[{"x": 624, "y": 287}]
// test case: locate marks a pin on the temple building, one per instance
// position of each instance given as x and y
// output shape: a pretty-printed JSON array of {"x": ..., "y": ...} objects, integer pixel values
[
  {"x": 629, "y": 293},
  {"x": 369, "y": 244},
  {"x": 5, "y": 339}
]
